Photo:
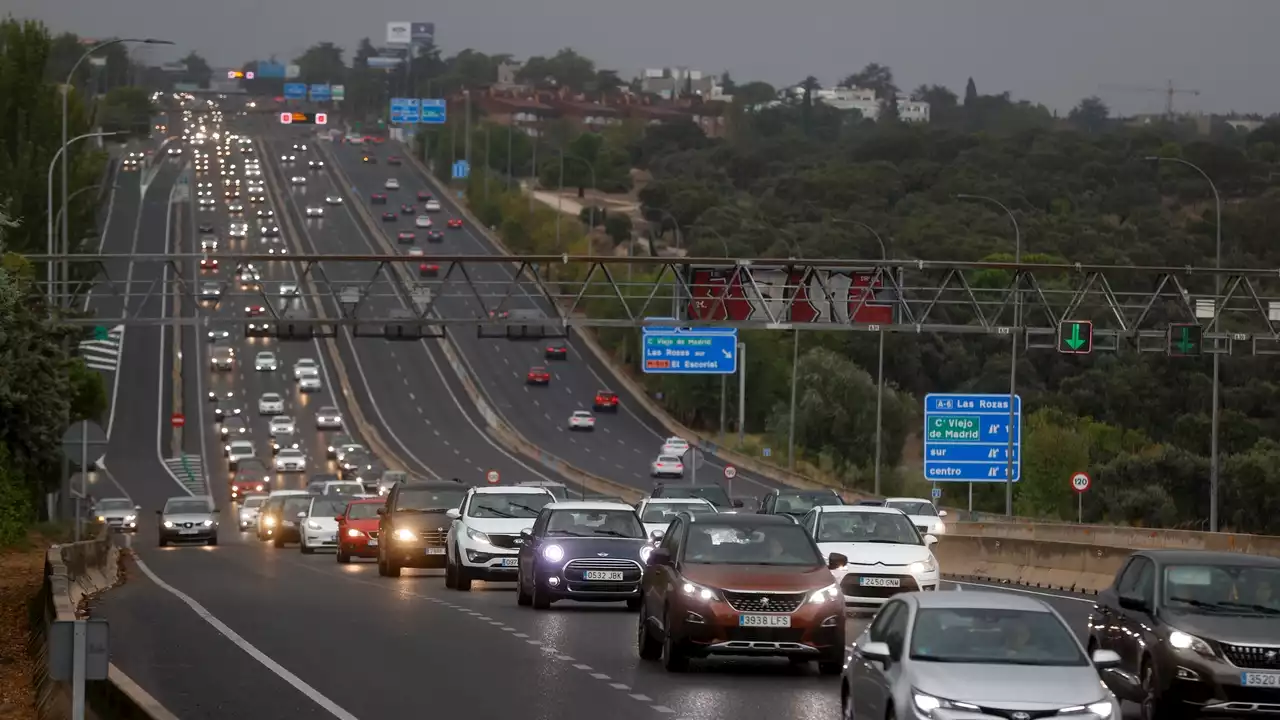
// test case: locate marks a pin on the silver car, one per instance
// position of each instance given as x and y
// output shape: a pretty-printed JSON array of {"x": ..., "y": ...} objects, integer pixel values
[
  {"x": 118, "y": 514},
  {"x": 973, "y": 654},
  {"x": 188, "y": 519},
  {"x": 250, "y": 506}
]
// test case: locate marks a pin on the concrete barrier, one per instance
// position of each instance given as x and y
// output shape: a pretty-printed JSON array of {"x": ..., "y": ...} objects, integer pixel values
[
  {"x": 73, "y": 572},
  {"x": 1053, "y": 565},
  {"x": 1122, "y": 537}
]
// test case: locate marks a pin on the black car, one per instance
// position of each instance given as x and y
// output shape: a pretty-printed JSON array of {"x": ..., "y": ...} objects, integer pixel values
[
  {"x": 269, "y": 517},
  {"x": 394, "y": 160},
  {"x": 233, "y": 427},
  {"x": 354, "y": 464},
  {"x": 408, "y": 210},
  {"x": 713, "y": 494},
  {"x": 378, "y": 199},
  {"x": 1197, "y": 632},
  {"x": 227, "y": 407},
  {"x": 796, "y": 503},
  {"x": 369, "y": 160},
  {"x": 287, "y": 530},
  {"x": 585, "y": 551},
  {"x": 414, "y": 525},
  {"x": 206, "y": 229},
  {"x": 557, "y": 351},
  {"x": 435, "y": 236},
  {"x": 336, "y": 442},
  {"x": 389, "y": 217}
]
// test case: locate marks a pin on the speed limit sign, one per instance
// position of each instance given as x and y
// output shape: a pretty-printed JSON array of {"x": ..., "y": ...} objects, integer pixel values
[
  {"x": 1080, "y": 482},
  {"x": 730, "y": 472},
  {"x": 493, "y": 477}
]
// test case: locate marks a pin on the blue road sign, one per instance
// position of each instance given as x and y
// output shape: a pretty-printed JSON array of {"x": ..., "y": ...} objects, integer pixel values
[
  {"x": 319, "y": 92},
  {"x": 404, "y": 111},
  {"x": 433, "y": 112},
  {"x": 295, "y": 91},
  {"x": 271, "y": 70},
  {"x": 691, "y": 352},
  {"x": 966, "y": 438},
  {"x": 461, "y": 169},
  {"x": 937, "y": 493}
]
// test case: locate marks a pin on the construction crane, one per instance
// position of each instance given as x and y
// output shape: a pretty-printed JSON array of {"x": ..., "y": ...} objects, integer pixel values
[{"x": 1169, "y": 90}]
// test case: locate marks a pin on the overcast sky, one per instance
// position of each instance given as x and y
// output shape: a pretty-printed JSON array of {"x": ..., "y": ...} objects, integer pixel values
[{"x": 1049, "y": 51}]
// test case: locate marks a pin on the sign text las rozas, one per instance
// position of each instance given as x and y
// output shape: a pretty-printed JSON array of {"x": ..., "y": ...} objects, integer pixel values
[{"x": 798, "y": 296}]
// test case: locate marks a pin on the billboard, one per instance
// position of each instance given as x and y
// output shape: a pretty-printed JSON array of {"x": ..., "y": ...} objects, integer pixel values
[
  {"x": 800, "y": 295},
  {"x": 338, "y": 92},
  {"x": 422, "y": 32},
  {"x": 320, "y": 92},
  {"x": 399, "y": 33},
  {"x": 383, "y": 63},
  {"x": 271, "y": 70}
]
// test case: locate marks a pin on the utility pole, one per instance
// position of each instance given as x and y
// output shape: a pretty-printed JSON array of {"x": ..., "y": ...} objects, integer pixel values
[{"x": 467, "y": 141}]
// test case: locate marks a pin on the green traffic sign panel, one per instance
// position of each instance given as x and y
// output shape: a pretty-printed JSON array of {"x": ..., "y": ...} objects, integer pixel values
[
  {"x": 1075, "y": 337},
  {"x": 100, "y": 332},
  {"x": 1185, "y": 340}
]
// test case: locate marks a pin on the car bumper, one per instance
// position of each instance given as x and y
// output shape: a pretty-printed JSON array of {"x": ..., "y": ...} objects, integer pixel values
[
  {"x": 322, "y": 539},
  {"x": 417, "y": 556},
  {"x": 362, "y": 546},
  {"x": 555, "y": 585},
  {"x": 859, "y": 595},
  {"x": 328, "y": 425},
  {"x": 193, "y": 535},
  {"x": 1214, "y": 687},
  {"x": 706, "y": 634},
  {"x": 491, "y": 564},
  {"x": 120, "y": 526}
]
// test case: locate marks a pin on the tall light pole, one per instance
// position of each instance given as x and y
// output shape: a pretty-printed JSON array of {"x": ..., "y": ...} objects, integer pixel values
[
  {"x": 66, "y": 92},
  {"x": 1013, "y": 344},
  {"x": 795, "y": 368},
  {"x": 49, "y": 274},
  {"x": 1217, "y": 292},
  {"x": 58, "y": 219}
]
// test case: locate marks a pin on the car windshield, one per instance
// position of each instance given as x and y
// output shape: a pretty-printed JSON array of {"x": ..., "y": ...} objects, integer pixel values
[
  {"x": 994, "y": 636},
  {"x": 187, "y": 507},
  {"x": 595, "y": 523},
  {"x": 751, "y": 545},
  {"x": 559, "y": 491},
  {"x": 343, "y": 489},
  {"x": 429, "y": 499},
  {"x": 913, "y": 507},
  {"x": 113, "y": 505},
  {"x": 665, "y": 512},
  {"x": 362, "y": 511},
  {"x": 253, "y": 502},
  {"x": 801, "y": 504},
  {"x": 867, "y": 527},
  {"x": 296, "y": 504},
  {"x": 327, "y": 508},
  {"x": 713, "y": 494},
  {"x": 507, "y": 505},
  {"x": 1222, "y": 589}
]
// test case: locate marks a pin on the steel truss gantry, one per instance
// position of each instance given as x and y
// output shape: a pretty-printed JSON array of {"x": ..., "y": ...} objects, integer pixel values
[{"x": 1130, "y": 307}]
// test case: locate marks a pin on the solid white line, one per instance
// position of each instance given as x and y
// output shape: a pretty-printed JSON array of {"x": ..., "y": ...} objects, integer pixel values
[
  {"x": 164, "y": 311},
  {"x": 298, "y": 683},
  {"x": 1010, "y": 588}
]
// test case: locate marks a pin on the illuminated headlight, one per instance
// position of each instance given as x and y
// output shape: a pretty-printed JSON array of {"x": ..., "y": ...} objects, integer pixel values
[
  {"x": 829, "y": 593},
  {"x": 405, "y": 535},
  {"x": 1183, "y": 641},
  {"x": 330, "y": 448},
  {"x": 208, "y": 523},
  {"x": 313, "y": 524},
  {"x": 698, "y": 591},
  {"x": 352, "y": 532},
  {"x": 481, "y": 537},
  {"x": 553, "y": 553},
  {"x": 924, "y": 566},
  {"x": 1102, "y": 708},
  {"x": 269, "y": 521},
  {"x": 128, "y": 518},
  {"x": 926, "y": 704},
  {"x": 225, "y": 431},
  {"x": 168, "y": 523},
  {"x": 645, "y": 552},
  {"x": 101, "y": 519}
]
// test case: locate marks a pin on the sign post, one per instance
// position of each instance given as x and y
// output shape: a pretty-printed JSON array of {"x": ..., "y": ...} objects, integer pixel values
[
  {"x": 730, "y": 472},
  {"x": 1080, "y": 482},
  {"x": 76, "y": 443},
  {"x": 78, "y": 651}
]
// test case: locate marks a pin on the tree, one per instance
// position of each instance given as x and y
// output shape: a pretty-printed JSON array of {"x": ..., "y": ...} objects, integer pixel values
[
  {"x": 321, "y": 63},
  {"x": 873, "y": 77},
  {"x": 1090, "y": 115},
  {"x": 754, "y": 93},
  {"x": 564, "y": 69},
  {"x": 970, "y": 92},
  {"x": 618, "y": 227},
  {"x": 198, "y": 71},
  {"x": 127, "y": 109}
]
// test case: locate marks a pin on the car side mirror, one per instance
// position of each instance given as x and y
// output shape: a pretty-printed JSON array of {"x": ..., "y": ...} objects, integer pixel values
[
  {"x": 835, "y": 561},
  {"x": 453, "y": 513},
  {"x": 762, "y": 511},
  {"x": 1104, "y": 659},
  {"x": 527, "y": 533},
  {"x": 660, "y": 556},
  {"x": 657, "y": 535},
  {"x": 137, "y": 507},
  {"x": 875, "y": 651},
  {"x": 301, "y": 515},
  {"x": 382, "y": 511},
  {"x": 1133, "y": 602},
  {"x": 930, "y": 540},
  {"x": 159, "y": 512},
  {"x": 340, "y": 519},
  {"x": 942, "y": 513},
  {"x": 736, "y": 503}
]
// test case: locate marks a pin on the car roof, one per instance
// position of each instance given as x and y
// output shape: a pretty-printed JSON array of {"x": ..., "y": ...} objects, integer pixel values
[
  {"x": 865, "y": 509},
  {"x": 588, "y": 505},
  {"x": 431, "y": 485},
  {"x": 795, "y": 492},
  {"x": 540, "y": 483},
  {"x": 368, "y": 501},
  {"x": 978, "y": 599},
  {"x": 735, "y": 520},
  {"x": 1209, "y": 557},
  {"x": 285, "y": 493},
  {"x": 340, "y": 482},
  {"x": 510, "y": 489},
  {"x": 907, "y": 499},
  {"x": 679, "y": 501}
]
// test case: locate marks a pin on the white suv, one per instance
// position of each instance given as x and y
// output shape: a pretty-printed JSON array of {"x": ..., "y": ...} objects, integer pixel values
[{"x": 484, "y": 539}]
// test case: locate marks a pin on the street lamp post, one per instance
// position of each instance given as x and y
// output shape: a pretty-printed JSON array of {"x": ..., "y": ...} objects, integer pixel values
[
  {"x": 66, "y": 92},
  {"x": 1217, "y": 357},
  {"x": 1013, "y": 344},
  {"x": 49, "y": 274},
  {"x": 58, "y": 219}
]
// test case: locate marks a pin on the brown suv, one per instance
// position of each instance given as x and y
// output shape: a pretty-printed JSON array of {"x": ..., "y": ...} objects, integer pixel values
[
  {"x": 413, "y": 525},
  {"x": 727, "y": 584}
]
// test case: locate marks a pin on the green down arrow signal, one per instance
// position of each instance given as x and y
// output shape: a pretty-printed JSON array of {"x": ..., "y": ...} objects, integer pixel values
[
  {"x": 1075, "y": 342},
  {"x": 1184, "y": 344}
]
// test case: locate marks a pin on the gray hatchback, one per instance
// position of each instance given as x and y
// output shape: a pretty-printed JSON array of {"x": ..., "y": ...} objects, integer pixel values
[{"x": 188, "y": 519}]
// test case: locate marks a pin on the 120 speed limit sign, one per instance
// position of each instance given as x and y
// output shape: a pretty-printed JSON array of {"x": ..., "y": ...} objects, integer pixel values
[{"x": 1080, "y": 482}]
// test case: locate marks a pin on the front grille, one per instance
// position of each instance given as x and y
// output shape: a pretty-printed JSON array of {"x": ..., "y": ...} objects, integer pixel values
[
  {"x": 373, "y": 534},
  {"x": 851, "y": 586},
  {"x": 1252, "y": 656},
  {"x": 1021, "y": 714},
  {"x": 435, "y": 538},
  {"x": 510, "y": 542},
  {"x": 764, "y": 602}
]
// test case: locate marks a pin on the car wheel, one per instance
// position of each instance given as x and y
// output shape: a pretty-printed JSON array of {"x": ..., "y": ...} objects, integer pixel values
[
  {"x": 831, "y": 667},
  {"x": 523, "y": 599},
  {"x": 343, "y": 557},
  {"x": 674, "y": 658},
  {"x": 634, "y": 604},
  {"x": 540, "y": 599},
  {"x": 1153, "y": 706},
  {"x": 461, "y": 578},
  {"x": 278, "y": 541},
  {"x": 163, "y": 542},
  {"x": 450, "y": 573},
  {"x": 213, "y": 541},
  {"x": 646, "y": 643},
  {"x": 306, "y": 549}
]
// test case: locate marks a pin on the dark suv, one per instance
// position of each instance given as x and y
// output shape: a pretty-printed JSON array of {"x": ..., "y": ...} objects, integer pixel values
[
  {"x": 413, "y": 525},
  {"x": 1197, "y": 632}
]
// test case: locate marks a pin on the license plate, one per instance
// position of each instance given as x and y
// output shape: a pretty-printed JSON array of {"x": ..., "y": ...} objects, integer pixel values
[
  {"x": 510, "y": 562},
  {"x": 373, "y": 543},
  {"x": 614, "y": 575},
  {"x": 1255, "y": 679},
  {"x": 879, "y": 582},
  {"x": 333, "y": 538},
  {"x": 764, "y": 621},
  {"x": 435, "y": 551},
  {"x": 187, "y": 532}
]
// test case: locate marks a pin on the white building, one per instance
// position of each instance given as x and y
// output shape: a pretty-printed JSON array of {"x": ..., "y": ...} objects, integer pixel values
[{"x": 865, "y": 101}]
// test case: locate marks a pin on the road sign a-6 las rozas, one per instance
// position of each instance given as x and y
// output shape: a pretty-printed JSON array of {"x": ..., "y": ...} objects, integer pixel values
[{"x": 1080, "y": 482}]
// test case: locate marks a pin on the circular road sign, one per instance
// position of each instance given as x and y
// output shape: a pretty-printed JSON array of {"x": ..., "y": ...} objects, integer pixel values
[
  {"x": 493, "y": 477},
  {"x": 86, "y": 441},
  {"x": 730, "y": 472},
  {"x": 177, "y": 420},
  {"x": 1080, "y": 482}
]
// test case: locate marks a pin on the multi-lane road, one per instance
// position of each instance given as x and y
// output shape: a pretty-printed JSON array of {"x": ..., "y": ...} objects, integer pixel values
[{"x": 244, "y": 629}]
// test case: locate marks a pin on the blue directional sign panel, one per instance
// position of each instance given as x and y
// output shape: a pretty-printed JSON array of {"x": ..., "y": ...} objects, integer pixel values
[
  {"x": 404, "y": 111},
  {"x": 295, "y": 91},
  {"x": 271, "y": 70},
  {"x": 320, "y": 92},
  {"x": 461, "y": 169},
  {"x": 433, "y": 112},
  {"x": 690, "y": 351},
  {"x": 966, "y": 438}
]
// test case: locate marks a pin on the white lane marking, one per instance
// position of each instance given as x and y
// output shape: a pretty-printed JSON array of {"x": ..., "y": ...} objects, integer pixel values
[
  {"x": 298, "y": 683},
  {"x": 619, "y": 686},
  {"x": 641, "y": 698},
  {"x": 582, "y": 666},
  {"x": 1010, "y": 588},
  {"x": 600, "y": 676}
]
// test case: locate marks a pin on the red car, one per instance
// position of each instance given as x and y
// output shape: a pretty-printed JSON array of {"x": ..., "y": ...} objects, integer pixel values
[
  {"x": 455, "y": 223},
  {"x": 538, "y": 375},
  {"x": 378, "y": 199},
  {"x": 389, "y": 217},
  {"x": 407, "y": 210},
  {"x": 428, "y": 270},
  {"x": 254, "y": 311},
  {"x": 358, "y": 529},
  {"x": 244, "y": 486},
  {"x": 423, "y": 195},
  {"x": 405, "y": 236},
  {"x": 208, "y": 263},
  {"x": 499, "y": 314},
  {"x": 558, "y": 351},
  {"x": 393, "y": 160},
  {"x": 606, "y": 400}
]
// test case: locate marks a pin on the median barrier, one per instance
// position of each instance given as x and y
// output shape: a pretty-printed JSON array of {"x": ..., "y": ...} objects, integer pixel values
[
  {"x": 1073, "y": 567},
  {"x": 1132, "y": 538},
  {"x": 73, "y": 572}
]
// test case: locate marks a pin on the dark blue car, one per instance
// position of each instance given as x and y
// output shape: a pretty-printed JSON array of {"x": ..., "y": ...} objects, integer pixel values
[{"x": 586, "y": 551}]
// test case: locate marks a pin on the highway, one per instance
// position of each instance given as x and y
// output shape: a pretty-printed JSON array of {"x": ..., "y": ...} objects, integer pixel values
[{"x": 624, "y": 444}]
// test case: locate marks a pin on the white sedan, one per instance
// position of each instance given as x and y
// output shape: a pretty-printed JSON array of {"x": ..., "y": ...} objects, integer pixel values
[
  {"x": 270, "y": 404},
  {"x": 431, "y": 206},
  {"x": 291, "y": 460},
  {"x": 310, "y": 383},
  {"x": 238, "y": 450},
  {"x": 328, "y": 418},
  {"x": 298, "y": 180},
  {"x": 582, "y": 420},
  {"x": 282, "y": 425},
  {"x": 391, "y": 184},
  {"x": 315, "y": 212},
  {"x": 415, "y": 252},
  {"x": 667, "y": 466},
  {"x": 422, "y": 221},
  {"x": 882, "y": 550},
  {"x": 334, "y": 199},
  {"x": 305, "y": 366},
  {"x": 265, "y": 362},
  {"x": 675, "y": 446}
]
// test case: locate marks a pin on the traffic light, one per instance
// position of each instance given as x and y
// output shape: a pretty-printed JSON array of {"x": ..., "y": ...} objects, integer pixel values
[
  {"x": 1075, "y": 337},
  {"x": 1185, "y": 340}
]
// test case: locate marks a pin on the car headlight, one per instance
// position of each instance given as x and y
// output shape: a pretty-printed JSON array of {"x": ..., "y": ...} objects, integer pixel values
[
  {"x": 168, "y": 523},
  {"x": 1102, "y": 708},
  {"x": 924, "y": 566},
  {"x": 208, "y": 523},
  {"x": 1184, "y": 641},
  {"x": 827, "y": 594},
  {"x": 128, "y": 518},
  {"x": 101, "y": 518},
  {"x": 926, "y": 703},
  {"x": 313, "y": 524},
  {"x": 405, "y": 535},
  {"x": 269, "y": 521},
  {"x": 225, "y": 431},
  {"x": 645, "y": 552},
  {"x": 352, "y": 532},
  {"x": 698, "y": 591},
  {"x": 479, "y": 536},
  {"x": 553, "y": 553}
]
